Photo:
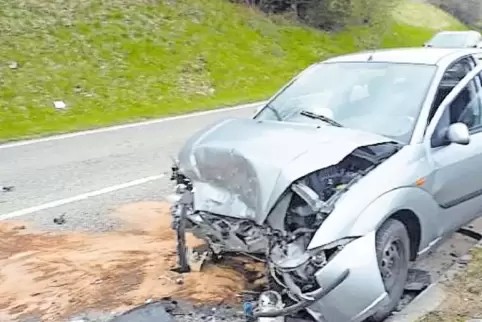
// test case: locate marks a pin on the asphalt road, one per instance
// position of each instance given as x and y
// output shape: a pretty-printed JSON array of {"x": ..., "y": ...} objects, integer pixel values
[{"x": 85, "y": 175}]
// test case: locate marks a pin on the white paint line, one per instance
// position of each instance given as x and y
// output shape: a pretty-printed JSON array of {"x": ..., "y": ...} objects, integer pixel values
[
  {"x": 126, "y": 126},
  {"x": 61, "y": 202}
]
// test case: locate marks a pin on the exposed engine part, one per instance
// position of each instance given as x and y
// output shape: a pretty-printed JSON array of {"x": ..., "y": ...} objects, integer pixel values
[
  {"x": 240, "y": 235},
  {"x": 292, "y": 267}
]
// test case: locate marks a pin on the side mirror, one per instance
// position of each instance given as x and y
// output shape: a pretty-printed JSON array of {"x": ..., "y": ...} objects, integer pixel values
[{"x": 458, "y": 133}]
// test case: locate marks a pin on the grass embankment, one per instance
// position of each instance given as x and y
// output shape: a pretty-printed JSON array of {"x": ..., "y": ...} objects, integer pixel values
[
  {"x": 114, "y": 61},
  {"x": 464, "y": 295}
]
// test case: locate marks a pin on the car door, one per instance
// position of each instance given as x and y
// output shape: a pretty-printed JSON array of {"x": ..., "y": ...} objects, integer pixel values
[{"x": 455, "y": 184}]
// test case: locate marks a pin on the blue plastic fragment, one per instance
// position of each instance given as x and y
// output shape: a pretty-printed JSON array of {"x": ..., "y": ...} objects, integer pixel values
[{"x": 248, "y": 308}]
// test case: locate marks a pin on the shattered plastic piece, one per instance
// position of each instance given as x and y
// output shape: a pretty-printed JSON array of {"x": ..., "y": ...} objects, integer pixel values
[
  {"x": 268, "y": 301},
  {"x": 465, "y": 259},
  {"x": 248, "y": 308},
  {"x": 196, "y": 260},
  {"x": 417, "y": 280},
  {"x": 179, "y": 281},
  {"x": 13, "y": 65},
  {"x": 8, "y": 188},
  {"x": 60, "y": 105},
  {"x": 60, "y": 220}
]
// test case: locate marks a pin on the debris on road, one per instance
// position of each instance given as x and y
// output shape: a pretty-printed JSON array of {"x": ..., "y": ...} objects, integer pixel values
[
  {"x": 8, "y": 188},
  {"x": 60, "y": 220},
  {"x": 418, "y": 280},
  {"x": 57, "y": 276}
]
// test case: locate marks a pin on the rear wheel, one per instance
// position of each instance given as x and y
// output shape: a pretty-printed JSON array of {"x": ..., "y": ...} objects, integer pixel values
[{"x": 393, "y": 252}]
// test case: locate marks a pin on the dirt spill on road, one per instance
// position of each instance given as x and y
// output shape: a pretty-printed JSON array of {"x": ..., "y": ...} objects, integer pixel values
[{"x": 58, "y": 275}]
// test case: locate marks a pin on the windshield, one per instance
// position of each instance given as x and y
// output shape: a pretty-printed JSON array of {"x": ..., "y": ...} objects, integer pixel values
[
  {"x": 382, "y": 98},
  {"x": 453, "y": 40}
]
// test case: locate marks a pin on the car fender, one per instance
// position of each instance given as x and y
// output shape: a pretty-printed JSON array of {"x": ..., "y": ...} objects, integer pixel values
[
  {"x": 374, "y": 214},
  {"x": 414, "y": 199}
]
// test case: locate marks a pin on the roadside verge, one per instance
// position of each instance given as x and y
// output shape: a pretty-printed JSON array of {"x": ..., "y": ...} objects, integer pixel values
[{"x": 441, "y": 291}]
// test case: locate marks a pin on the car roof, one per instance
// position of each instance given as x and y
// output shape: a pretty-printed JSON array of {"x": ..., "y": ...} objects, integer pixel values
[
  {"x": 415, "y": 55},
  {"x": 460, "y": 32}
]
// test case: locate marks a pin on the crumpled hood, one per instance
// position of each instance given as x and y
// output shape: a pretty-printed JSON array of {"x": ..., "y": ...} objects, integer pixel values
[{"x": 240, "y": 167}]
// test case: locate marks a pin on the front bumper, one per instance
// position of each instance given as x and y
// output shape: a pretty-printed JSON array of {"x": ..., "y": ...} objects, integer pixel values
[{"x": 351, "y": 285}]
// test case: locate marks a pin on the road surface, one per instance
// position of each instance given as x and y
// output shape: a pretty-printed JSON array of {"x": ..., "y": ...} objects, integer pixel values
[{"x": 84, "y": 175}]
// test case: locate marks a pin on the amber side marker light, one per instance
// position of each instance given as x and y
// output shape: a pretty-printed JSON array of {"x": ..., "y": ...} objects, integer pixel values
[{"x": 420, "y": 182}]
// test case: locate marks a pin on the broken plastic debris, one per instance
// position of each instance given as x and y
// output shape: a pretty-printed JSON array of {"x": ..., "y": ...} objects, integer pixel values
[
  {"x": 60, "y": 105},
  {"x": 13, "y": 65},
  {"x": 60, "y": 220},
  {"x": 8, "y": 188},
  {"x": 196, "y": 260}
]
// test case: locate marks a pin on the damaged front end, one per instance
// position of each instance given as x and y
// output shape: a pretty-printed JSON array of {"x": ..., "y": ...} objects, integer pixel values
[
  {"x": 245, "y": 199},
  {"x": 284, "y": 237}
]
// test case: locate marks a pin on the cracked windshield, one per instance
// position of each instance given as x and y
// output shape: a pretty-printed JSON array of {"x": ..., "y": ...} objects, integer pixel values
[{"x": 240, "y": 160}]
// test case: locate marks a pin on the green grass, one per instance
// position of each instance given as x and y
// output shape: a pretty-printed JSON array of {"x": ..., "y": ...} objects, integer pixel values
[{"x": 114, "y": 61}]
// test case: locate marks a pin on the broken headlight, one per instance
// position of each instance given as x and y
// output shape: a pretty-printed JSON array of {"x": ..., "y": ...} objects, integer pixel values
[{"x": 319, "y": 256}]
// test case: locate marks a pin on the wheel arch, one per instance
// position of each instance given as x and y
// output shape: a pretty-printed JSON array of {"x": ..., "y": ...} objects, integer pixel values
[{"x": 414, "y": 229}]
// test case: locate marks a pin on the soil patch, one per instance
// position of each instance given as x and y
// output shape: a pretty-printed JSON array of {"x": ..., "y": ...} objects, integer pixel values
[
  {"x": 464, "y": 295},
  {"x": 55, "y": 276}
]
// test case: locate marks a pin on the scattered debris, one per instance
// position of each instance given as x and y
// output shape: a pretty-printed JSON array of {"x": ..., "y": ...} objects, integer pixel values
[
  {"x": 464, "y": 260},
  {"x": 196, "y": 259},
  {"x": 179, "y": 281},
  {"x": 60, "y": 220},
  {"x": 13, "y": 65},
  {"x": 454, "y": 254},
  {"x": 417, "y": 280},
  {"x": 8, "y": 188},
  {"x": 60, "y": 105}
]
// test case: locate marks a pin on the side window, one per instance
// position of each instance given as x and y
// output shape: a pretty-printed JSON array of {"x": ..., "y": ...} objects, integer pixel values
[
  {"x": 452, "y": 76},
  {"x": 466, "y": 107}
]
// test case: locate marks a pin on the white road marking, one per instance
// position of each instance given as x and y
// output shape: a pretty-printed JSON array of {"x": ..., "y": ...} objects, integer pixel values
[
  {"x": 125, "y": 126},
  {"x": 61, "y": 202}
]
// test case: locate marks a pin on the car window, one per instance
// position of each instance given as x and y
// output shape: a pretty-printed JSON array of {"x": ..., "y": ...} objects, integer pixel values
[
  {"x": 466, "y": 107},
  {"x": 452, "y": 76},
  {"x": 383, "y": 98}
]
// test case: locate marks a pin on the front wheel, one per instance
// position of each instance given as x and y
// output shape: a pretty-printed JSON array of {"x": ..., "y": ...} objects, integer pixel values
[{"x": 393, "y": 250}]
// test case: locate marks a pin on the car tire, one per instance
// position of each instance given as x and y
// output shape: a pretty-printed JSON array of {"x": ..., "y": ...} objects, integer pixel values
[{"x": 393, "y": 248}]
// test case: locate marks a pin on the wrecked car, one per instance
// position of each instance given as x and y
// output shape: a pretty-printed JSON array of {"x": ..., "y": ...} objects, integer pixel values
[{"x": 358, "y": 166}]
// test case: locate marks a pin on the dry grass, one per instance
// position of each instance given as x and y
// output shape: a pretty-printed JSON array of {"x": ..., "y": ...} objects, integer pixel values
[{"x": 464, "y": 299}]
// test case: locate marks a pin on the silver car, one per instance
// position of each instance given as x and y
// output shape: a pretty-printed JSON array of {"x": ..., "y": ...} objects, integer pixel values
[{"x": 360, "y": 165}]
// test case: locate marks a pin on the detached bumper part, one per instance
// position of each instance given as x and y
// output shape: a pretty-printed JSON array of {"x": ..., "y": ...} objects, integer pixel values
[{"x": 309, "y": 299}]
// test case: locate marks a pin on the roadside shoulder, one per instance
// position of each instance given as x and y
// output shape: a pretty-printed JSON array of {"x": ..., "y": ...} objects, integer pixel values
[{"x": 457, "y": 293}]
